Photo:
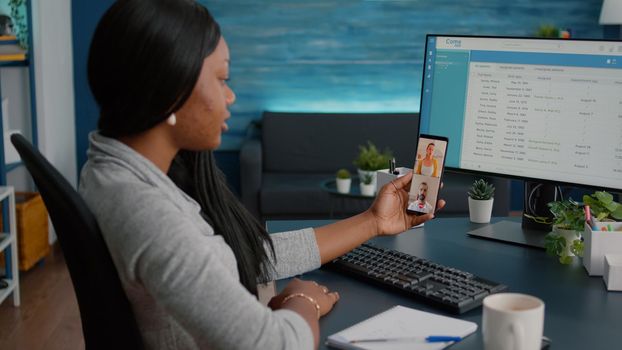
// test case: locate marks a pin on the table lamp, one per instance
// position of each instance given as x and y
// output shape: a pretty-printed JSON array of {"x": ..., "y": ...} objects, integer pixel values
[{"x": 611, "y": 18}]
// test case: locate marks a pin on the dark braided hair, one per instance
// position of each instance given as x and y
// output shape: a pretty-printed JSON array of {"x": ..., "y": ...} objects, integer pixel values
[{"x": 196, "y": 174}]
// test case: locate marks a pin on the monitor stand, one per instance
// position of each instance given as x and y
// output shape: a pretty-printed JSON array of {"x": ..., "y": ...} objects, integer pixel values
[
  {"x": 530, "y": 231},
  {"x": 510, "y": 232}
]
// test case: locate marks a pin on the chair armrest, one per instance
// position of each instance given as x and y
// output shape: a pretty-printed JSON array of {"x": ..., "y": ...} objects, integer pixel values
[{"x": 251, "y": 169}]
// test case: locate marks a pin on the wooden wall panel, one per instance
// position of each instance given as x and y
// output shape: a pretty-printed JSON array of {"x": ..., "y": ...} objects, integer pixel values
[{"x": 360, "y": 55}]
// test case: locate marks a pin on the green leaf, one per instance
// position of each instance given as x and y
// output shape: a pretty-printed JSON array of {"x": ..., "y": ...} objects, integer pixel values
[
  {"x": 617, "y": 214},
  {"x": 588, "y": 200},
  {"x": 554, "y": 244},
  {"x": 577, "y": 247},
  {"x": 604, "y": 197},
  {"x": 565, "y": 260},
  {"x": 612, "y": 206}
]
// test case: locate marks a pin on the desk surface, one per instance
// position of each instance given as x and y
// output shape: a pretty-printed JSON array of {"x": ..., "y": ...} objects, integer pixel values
[{"x": 579, "y": 312}]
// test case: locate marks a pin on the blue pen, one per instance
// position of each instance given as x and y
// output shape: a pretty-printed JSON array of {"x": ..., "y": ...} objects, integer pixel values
[{"x": 429, "y": 339}]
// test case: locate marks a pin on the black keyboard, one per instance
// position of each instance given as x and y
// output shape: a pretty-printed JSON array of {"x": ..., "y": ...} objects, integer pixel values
[{"x": 441, "y": 286}]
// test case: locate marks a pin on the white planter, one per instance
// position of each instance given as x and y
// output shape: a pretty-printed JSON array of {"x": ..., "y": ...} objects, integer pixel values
[
  {"x": 480, "y": 210},
  {"x": 368, "y": 190},
  {"x": 374, "y": 180},
  {"x": 569, "y": 236},
  {"x": 599, "y": 243},
  {"x": 343, "y": 185}
]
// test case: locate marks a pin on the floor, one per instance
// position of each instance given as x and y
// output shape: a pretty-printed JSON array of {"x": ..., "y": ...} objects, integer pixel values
[{"x": 48, "y": 317}]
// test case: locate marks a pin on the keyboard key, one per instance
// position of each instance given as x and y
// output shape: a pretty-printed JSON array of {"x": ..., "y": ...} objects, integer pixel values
[{"x": 443, "y": 286}]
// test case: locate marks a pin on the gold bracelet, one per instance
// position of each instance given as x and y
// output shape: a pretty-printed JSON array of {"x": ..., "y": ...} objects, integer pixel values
[{"x": 302, "y": 295}]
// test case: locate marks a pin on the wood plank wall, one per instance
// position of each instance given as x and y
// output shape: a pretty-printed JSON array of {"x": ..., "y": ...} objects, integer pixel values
[{"x": 360, "y": 55}]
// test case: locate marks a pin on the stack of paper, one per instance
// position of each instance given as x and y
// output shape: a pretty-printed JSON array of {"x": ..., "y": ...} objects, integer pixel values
[{"x": 400, "y": 326}]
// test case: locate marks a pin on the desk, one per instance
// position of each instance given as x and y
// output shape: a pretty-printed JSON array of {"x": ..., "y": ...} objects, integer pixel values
[{"x": 579, "y": 312}]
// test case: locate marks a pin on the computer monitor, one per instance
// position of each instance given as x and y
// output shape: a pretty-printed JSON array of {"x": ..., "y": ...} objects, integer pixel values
[{"x": 543, "y": 110}]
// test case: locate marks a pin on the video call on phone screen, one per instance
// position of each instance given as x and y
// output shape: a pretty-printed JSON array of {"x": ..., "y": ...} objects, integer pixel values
[{"x": 427, "y": 172}]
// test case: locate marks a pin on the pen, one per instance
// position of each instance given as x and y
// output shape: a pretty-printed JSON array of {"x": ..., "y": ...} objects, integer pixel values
[
  {"x": 588, "y": 218},
  {"x": 392, "y": 168},
  {"x": 429, "y": 339}
]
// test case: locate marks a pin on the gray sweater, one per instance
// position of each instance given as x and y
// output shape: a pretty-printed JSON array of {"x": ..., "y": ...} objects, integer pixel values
[{"x": 180, "y": 277}]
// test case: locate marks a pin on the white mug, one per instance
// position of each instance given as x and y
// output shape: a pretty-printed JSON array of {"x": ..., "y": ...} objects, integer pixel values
[{"x": 512, "y": 322}]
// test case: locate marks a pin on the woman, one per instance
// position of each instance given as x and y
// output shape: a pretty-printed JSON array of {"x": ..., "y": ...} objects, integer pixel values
[
  {"x": 188, "y": 254},
  {"x": 428, "y": 166}
]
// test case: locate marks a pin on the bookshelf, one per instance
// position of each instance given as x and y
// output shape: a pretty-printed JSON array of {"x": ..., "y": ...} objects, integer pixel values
[
  {"x": 25, "y": 94},
  {"x": 8, "y": 243}
]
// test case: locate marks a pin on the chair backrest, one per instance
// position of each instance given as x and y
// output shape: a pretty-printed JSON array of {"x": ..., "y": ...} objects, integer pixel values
[{"x": 107, "y": 318}]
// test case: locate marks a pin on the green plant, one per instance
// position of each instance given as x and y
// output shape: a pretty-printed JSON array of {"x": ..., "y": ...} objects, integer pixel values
[
  {"x": 547, "y": 31},
  {"x": 367, "y": 179},
  {"x": 481, "y": 190},
  {"x": 603, "y": 206},
  {"x": 567, "y": 215},
  {"x": 556, "y": 244},
  {"x": 371, "y": 159},
  {"x": 343, "y": 174}
]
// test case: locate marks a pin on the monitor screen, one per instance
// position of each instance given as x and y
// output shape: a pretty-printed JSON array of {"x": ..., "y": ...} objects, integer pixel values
[{"x": 536, "y": 109}]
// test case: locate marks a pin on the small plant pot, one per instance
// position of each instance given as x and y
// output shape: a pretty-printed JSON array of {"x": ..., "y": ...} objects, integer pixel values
[
  {"x": 480, "y": 211},
  {"x": 569, "y": 236},
  {"x": 372, "y": 173},
  {"x": 343, "y": 185},
  {"x": 368, "y": 190}
]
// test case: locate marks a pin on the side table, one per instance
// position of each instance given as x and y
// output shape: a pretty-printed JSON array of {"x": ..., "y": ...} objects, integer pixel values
[{"x": 338, "y": 199}]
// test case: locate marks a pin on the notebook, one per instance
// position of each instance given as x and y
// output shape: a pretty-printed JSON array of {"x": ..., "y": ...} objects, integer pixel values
[{"x": 398, "y": 322}]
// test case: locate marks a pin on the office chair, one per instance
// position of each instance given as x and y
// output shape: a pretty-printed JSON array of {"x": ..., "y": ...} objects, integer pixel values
[{"x": 107, "y": 318}]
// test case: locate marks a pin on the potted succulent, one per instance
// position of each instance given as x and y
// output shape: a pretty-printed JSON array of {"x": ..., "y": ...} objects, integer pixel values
[
  {"x": 371, "y": 159},
  {"x": 368, "y": 188},
  {"x": 568, "y": 223},
  {"x": 481, "y": 198},
  {"x": 344, "y": 181}
]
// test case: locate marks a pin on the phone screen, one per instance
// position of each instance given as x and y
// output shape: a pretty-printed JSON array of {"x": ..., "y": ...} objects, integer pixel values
[{"x": 427, "y": 174}]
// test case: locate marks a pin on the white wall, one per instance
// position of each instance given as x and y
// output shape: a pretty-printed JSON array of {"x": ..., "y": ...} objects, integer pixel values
[{"x": 54, "y": 85}]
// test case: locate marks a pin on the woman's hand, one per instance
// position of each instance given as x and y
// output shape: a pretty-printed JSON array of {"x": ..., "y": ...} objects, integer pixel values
[
  {"x": 389, "y": 208},
  {"x": 319, "y": 293}
]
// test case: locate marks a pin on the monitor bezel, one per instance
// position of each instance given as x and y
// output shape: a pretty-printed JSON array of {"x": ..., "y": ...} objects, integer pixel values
[{"x": 506, "y": 176}]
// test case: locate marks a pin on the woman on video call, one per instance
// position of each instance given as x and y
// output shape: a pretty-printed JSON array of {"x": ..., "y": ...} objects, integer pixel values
[
  {"x": 188, "y": 254},
  {"x": 428, "y": 166}
]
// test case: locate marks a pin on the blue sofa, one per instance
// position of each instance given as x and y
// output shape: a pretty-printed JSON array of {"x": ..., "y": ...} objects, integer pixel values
[{"x": 283, "y": 167}]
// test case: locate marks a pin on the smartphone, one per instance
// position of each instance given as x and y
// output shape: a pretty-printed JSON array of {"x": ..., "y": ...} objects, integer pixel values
[{"x": 427, "y": 174}]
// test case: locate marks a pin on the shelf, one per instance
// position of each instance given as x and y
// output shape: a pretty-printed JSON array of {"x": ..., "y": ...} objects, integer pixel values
[
  {"x": 23, "y": 63},
  {"x": 4, "y": 292},
  {"x": 5, "y": 191},
  {"x": 12, "y": 166},
  {"x": 5, "y": 240}
]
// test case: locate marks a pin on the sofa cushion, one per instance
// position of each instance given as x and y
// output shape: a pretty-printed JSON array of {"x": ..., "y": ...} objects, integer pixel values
[
  {"x": 297, "y": 193},
  {"x": 323, "y": 143}
]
